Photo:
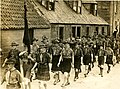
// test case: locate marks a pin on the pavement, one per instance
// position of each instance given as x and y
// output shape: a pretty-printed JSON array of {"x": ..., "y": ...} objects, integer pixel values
[{"x": 92, "y": 81}]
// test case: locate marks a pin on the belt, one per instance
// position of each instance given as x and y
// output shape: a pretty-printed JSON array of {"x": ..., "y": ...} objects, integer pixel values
[{"x": 12, "y": 83}]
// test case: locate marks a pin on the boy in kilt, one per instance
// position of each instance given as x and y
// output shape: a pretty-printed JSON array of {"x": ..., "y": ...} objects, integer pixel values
[
  {"x": 109, "y": 57},
  {"x": 101, "y": 59},
  {"x": 27, "y": 64},
  {"x": 12, "y": 77},
  {"x": 34, "y": 48},
  {"x": 42, "y": 64},
  {"x": 87, "y": 55},
  {"x": 67, "y": 58},
  {"x": 55, "y": 52},
  {"x": 78, "y": 55}
]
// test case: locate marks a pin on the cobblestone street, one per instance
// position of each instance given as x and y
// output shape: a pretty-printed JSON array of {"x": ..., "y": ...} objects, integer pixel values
[{"x": 93, "y": 81}]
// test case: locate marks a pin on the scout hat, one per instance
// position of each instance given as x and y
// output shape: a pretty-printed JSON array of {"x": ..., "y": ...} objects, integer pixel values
[
  {"x": 14, "y": 44},
  {"x": 34, "y": 39},
  {"x": 65, "y": 42},
  {"x": 42, "y": 45},
  {"x": 55, "y": 41},
  {"x": 11, "y": 61}
]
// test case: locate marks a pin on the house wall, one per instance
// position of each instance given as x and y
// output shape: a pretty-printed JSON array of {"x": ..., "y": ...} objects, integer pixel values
[
  {"x": 68, "y": 30},
  {"x": 38, "y": 33},
  {"x": 110, "y": 12}
]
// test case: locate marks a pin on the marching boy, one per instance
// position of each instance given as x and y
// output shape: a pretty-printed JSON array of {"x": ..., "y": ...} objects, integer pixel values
[{"x": 12, "y": 77}]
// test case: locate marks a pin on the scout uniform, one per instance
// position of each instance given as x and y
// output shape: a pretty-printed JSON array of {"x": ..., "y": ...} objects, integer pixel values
[
  {"x": 78, "y": 54},
  {"x": 87, "y": 58},
  {"x": 109, "y": 57},
  {"x": 42, "y": 63},
  {"x": 55, "y": 52},
  {"x": 67, "y": 58},
  {"x": 101, "y": 58},
  {"x": 34, "y": 48},
  {"x": 15, "y": 54},
  {"x": 13, "y": 77}
]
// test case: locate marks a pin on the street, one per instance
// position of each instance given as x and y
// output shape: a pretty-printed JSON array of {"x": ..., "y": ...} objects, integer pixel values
[{"x": 93, "y": 81}]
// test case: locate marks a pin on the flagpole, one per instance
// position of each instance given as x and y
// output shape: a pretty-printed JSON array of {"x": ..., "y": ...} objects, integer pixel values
[{"x": 26, "y": 38}]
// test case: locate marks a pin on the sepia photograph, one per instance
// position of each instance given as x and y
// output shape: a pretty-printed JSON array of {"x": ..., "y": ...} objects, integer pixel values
[{"x": 59, "y": 44}]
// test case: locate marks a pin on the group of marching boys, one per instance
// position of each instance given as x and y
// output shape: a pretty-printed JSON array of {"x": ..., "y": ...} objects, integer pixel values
[{"x": 63, "y": 55}]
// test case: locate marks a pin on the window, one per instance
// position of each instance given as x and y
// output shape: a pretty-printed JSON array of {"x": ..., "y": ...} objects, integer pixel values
[
  {"x": 103, "y": 30},
  {"x": 48, "y": 4},
  {"x": 87, "y": 31},
  {"x": 75, "y": 5},
  {"x": 93, "y": 9},
  {"x": 78, "y": 31},
  {"x": 79, "y": 7},
  {"x": 61, "y": 32},
  {"x": 97, "y": 30},
  {"x": 74, "y": 31},
  {"x": 51, "y": 5}
]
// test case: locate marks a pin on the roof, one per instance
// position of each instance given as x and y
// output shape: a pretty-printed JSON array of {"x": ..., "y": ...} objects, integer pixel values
[
  {"x": 12, "y": 15},
  {"x": 88, "y": 1},
  {"x": 64, "y": 14}
]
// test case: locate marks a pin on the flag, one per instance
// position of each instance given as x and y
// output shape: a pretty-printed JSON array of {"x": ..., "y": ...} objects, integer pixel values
[{"x": 26, "y": 37}]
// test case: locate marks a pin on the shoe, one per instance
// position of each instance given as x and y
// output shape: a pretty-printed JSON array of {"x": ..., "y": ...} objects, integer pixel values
[
  {"x": 101, "y": 75},
  {"x": 67, "y": 83},
  {"x": 108, "y": 71},
  {"x": 63, "y": 85},
  {"x": 85, "y": 75},
  {"x": 54, "y": 83},
  {"x": 75, "y": 79},
  {"x": 58, "y": 80}
]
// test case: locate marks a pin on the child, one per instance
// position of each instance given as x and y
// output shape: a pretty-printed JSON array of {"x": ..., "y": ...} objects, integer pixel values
[{"x": 12, "y": 77}]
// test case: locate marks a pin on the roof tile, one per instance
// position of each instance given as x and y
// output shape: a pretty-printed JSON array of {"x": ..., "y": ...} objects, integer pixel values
[{"x": 12, "y": 15}]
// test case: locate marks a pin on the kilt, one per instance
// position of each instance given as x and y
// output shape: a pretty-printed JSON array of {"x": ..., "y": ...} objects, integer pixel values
[
  {"x": 100, "y": 60},
  {"x": 27, "y": 69},
  {"x": 66, "y": 65},
  {"x": 109, "y": 59},
  {"x": 77, "y": 62},
  {"x": 86, "y": 59},
  {"x": 13, "y": 86},
  {"x": 55, "y": 61},
  {"x": 43, "y": 72}
]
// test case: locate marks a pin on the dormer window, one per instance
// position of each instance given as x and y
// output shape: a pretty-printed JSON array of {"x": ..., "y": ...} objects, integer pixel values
[
  {"x": 48, "y": 4},
  {"x": 75, "y": 5},
  {"x": 51, "y": 5},
  {"x": 91, "y": 6},
  {"x": 79, "y": 10},
  {"x": 93, "y": 9}
]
